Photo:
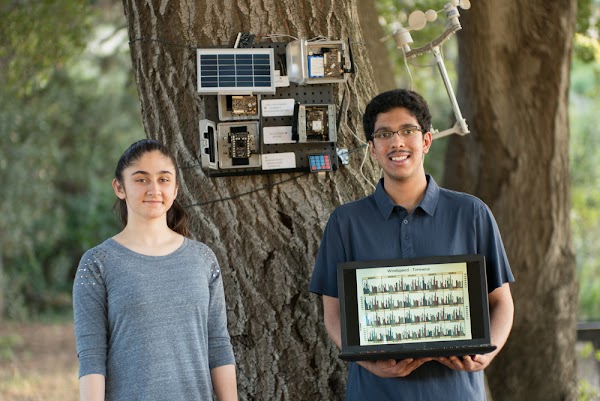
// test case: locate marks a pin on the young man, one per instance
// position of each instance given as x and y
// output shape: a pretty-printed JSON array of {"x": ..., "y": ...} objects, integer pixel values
[{"x": 407, "y": 216}]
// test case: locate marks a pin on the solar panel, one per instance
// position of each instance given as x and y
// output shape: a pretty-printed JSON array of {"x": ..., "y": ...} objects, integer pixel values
[{"x": 222, "y": 71}]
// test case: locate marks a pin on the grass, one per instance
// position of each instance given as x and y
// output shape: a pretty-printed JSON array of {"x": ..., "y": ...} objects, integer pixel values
[
  {"x": 7, "y": 345},
  {"x": 38, "y": 362}
]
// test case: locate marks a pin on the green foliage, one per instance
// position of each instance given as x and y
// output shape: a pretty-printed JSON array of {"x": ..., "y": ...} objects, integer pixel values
[
  {"x": 38, "y": 35},
  {"x": 585, "y": 183},
  {"x": 586, "y": 392},
  {"x": 586, "y": 47},
  {"x": 588, "y": 17},
  {"x": 7, "y": 345},
  {"x": 584, "y": 15},
  {"x": 586, "y": 350},
  {"x": 59, "y": 143}
]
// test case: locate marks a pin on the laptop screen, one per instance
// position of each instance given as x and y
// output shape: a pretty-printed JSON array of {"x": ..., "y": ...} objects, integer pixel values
[{"x": 404, "y": 308}]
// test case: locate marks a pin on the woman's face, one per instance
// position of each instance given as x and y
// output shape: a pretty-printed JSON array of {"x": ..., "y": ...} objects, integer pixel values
[{"x": 149, "y": 187}]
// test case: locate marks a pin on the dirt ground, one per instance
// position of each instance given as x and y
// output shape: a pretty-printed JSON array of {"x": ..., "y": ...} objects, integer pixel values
[{"x": 37, "y": 362}]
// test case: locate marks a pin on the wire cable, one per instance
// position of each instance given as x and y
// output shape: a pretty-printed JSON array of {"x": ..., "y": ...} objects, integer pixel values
[
  {"x": 162, "y": 42},
  {"x": 278, "y": 35},
  {"x": 411, "y": 86},
  {"x": 246, "y": 193},
  {"x": 363, "y": 143}
]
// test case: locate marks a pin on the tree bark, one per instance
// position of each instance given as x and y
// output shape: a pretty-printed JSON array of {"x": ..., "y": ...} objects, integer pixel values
[
  {"x": 265, "y": 229},
  {"x": 378, "y": 53},
  {"x": 514, "y": 61},
  {"x": 2, "y": 287}
]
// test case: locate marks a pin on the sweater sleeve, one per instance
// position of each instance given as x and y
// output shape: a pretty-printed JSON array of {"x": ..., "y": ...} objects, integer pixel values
[
  {"x": 90, "y": 315},
  {"x": 220, "y": 351}
]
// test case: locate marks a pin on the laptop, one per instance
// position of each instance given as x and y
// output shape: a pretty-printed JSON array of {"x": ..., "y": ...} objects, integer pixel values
[{"x": 413, "y": 308}]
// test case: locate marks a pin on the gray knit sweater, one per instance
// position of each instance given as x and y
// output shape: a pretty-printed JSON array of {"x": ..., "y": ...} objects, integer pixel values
[{"x": 153, "y": 325}]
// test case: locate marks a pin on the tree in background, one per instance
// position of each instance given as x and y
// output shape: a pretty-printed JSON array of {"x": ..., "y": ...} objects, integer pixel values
[
  {"x": 65, "y": 113},
  {"x": 513, "y": 67}
]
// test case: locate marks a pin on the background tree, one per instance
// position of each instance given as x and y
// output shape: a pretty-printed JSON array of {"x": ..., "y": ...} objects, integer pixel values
[
  {"x": 379, "y": 59},
  {"x": 264, "y": 229},
  {"x": 513, "y": 68}
]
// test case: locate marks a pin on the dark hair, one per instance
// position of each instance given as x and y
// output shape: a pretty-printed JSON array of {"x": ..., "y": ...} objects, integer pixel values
[
  {"x": 386, "y": 101},
  {"x": 176, "y": 216}
]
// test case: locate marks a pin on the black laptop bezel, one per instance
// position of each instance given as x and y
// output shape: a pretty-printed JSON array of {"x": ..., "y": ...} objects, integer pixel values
[{"x": 479, "y": 312}]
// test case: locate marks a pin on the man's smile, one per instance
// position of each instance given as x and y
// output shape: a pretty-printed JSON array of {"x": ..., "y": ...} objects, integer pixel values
[{"x": 398, "y": 156}]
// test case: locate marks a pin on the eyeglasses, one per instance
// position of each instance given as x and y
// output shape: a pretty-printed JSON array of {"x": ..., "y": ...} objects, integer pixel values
[{"x": 404, "y": 132}]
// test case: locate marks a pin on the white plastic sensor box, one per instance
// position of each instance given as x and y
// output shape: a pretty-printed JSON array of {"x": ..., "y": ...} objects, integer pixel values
[
  {"x": 316, "y": 62},
  {"x": 230, "y": 145}
]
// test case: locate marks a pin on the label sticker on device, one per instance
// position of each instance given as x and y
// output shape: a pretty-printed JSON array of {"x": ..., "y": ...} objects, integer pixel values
[
  {"x": 274, "y": 161},
  {"x": 277, "y": 107},
  {"x": 281, "y": 134}
]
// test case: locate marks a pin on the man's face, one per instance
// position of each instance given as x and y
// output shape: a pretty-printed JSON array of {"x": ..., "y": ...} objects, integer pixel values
[{"x": 400, "y": 156}]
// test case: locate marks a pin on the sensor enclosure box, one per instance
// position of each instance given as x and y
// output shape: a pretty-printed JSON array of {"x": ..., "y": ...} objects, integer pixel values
[
  {"x": 230, "y": 145},
  {"x": 316, "y": 62},
  {"x": 316, "y": 123}
]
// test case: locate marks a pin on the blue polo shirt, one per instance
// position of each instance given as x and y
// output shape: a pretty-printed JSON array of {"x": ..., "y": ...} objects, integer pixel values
[{"x": 444, "y": 223}]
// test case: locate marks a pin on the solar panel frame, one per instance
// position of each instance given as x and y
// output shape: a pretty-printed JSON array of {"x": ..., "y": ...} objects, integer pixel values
[{"x": 236, "y": 71}]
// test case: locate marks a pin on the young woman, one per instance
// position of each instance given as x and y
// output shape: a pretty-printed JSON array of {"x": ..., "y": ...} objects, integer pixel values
[{"x": 150, "y": 319}]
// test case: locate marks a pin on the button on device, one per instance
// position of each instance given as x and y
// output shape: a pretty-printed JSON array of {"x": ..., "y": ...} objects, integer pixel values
[{"x": 319, "y": 163}]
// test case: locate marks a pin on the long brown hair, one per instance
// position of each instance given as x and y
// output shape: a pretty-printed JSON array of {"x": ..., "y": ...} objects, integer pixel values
[{"x": 176, "y": 216}]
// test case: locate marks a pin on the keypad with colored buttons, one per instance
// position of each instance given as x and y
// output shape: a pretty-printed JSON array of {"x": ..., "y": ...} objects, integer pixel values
[{"x": 319, "y": 163}]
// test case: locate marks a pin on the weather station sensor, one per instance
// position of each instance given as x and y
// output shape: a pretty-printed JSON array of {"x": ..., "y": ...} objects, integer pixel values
[
  {"x": 262, "y": 120},
  {"x": 317, "y": 62},
  {"x": 417, "y": 20}
]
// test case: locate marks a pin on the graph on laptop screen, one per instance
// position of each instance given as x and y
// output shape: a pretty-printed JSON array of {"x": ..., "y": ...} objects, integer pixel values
[{"x": 412, "y": 304}]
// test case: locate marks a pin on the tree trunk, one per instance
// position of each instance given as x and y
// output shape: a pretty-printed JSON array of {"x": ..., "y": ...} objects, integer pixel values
[
  {"x": 378, "y": 53},
  {"x": 265, "y": 229},
  {"x": 514, "y": 60},
  {"x": 2, "y": 287}
]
